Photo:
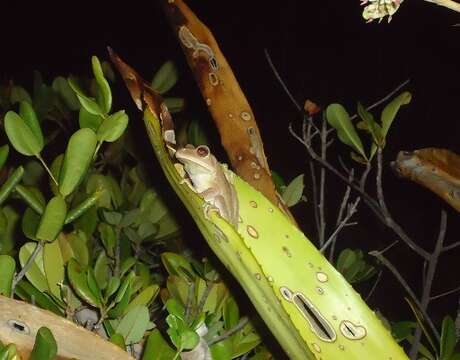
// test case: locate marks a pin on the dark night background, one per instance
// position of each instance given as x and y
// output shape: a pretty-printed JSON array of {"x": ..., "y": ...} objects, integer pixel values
[{"x": 324, "y": 51}]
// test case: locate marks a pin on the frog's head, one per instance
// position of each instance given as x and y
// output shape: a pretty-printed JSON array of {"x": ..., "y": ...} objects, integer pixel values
[{"x": 197, "y": 160}]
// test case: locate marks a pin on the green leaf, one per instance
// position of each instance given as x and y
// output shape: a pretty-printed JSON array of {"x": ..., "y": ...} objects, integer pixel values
[
  {"x": 52, "y": 220},
  {"x": 173, "y": 262},
  {"x": 390, "y": 111},
  {"x": 87, "y": 102},
  {"x": 27, "y": 113},
  {"x": 118, "y": 340},
  {"x": 108, "y": 238},
  {"x": 78, "y": 280},
  {"x": 112, "y": 286},
  {"x": 448, "y": 338},
  {"x": 9, "y": 352},
  {"x": 8, "y": 237},
  {"x": 88, "y": 120},
  {"x": 79, "y": 243},
  {"x": 4, "y": 151},
  {"x": 105, "y": 100},
  {"x": 36, "y": 272},
  {"x": 127, "y": 264},
  {"x": 175, "y": 104},
  {"x": 134, "y": 324},
  {"x": 45, "y": 347},
  {"x": 145, "y": 297},
  {"x": 157, "y": 347},
  {"x": 113, "y": 127},
  {"x": 30, "y": 293},
  {"x": 278, "y": 181},
  {"x": 293, "y": 192},
  {"x": 77, "y": 158},
  {"x": 401, "y": 330},
  {"x": 92, "y": 283},
  {"x": 196, "y": 133},
  {"x": 372, "y": 127},
  {"x": 7, "y": 269},
  {"x": 231, "y": 313},
  {"x": 175, "y": 308},
  {"x": 33, "y": 173},
  {"x": 9, "y": 185},
  {"x": 339, "y": 119},
  {"x": 82, "y": 207},
  {"x": 223, "y": 350},
  {"x": 62, "y": 87},
  {"x": 21, "y": 135},
  {"x": 346, "y": 258},
  {"x": 165, "y": 78},
  {"x": 101, "y": 270},
  {"x": 18, "y": 94},
  {"x": 53, "y": 265}
]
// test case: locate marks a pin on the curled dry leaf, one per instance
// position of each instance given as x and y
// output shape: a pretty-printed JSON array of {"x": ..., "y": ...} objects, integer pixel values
[
  {"x": 311, "y": 108},
  {"x": 436, "y": 169}
]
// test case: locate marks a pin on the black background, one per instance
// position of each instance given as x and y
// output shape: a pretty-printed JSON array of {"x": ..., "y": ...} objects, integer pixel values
[{"x": 324, "y": 51}]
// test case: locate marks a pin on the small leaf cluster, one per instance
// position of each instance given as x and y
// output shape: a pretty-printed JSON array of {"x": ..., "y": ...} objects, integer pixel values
[
  {"x": 45, "y": 347},
  {"x": 340, "y": 120}
]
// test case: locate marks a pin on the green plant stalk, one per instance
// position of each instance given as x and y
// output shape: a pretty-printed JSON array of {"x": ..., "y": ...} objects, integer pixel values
[{"x": 309, "y": 307}]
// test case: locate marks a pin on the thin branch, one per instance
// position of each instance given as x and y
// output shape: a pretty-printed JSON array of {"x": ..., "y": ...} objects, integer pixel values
[
  {"x": 322, "y": 193},
  {"x": 388, "y": 219},
  {"x": 404, "y": 284},
  {"x": 451, "y": 246},
  {"x": 241, "y": 324},
  {"x": 280, "y": 80},
  {"x": 452, "y": 5},
  {"x": 432, "y": 264},
  {"x": 445, "y": 293},
  {"x": 351, "y": 211},
  {"x": 379, "y": 276},
  {"x": 27, "y": 265}
]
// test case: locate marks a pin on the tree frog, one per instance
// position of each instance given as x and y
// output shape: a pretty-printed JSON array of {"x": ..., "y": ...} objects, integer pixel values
[{"x": 210, "y": 180}]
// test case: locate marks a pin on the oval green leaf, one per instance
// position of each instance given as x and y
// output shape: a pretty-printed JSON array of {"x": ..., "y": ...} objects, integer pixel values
[
  {"x": 113, "y": 127},
  {"x": 88, "y": 120},
  {"x": 77, "y": 158},
  {"x": 78, "y": 280},
  {"x": 52, "y": 220},
  {"x": 27, "y": 113},
  {"x": 62, "y": 87},
  {"x": 7, "y": 269},
  {"x": 391, "y": 110},
  {"x": 293, "y": 192},
  {"x": 165, "y": 78},
  {"x": 21, "y": 136},
  {"x": 448, "y": 338},
  {"x": 134, "y": 324},
  {"x": 53, "y": 264},
  {"x": 88, "y": 103},
  {"x": 105, "y": 95},
  {"x": 339, "y": 119},
  {"x": 45, "y": 347}
]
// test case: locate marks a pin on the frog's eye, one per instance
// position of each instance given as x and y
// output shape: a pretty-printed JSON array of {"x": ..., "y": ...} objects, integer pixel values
[{"x": 202, "y": 151}]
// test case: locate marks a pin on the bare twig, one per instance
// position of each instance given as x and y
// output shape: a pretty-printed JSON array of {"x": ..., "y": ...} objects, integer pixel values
[
  {"x": 377, "y": 280},
  {"x": 350, "y": 213},
  {"x": 451, "y": 246},
  {"x": 241, "y": 324},
  {"x": 388, "y": 219},
  {"x": 406, "y": 286},
  {"x": 445, "y": 293},
  {"x": 27, "y": 265},
  {"x": 322, "y": 194},
  {"x": 432, "y": 264}
]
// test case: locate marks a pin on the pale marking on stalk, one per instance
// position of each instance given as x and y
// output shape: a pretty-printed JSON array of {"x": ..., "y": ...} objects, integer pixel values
[
  {"x": 341, "y": 347},
  {"x": 258, "y": 276},
  {"x": 252, "y": 232},
  {"x": 287, "y": 251},
  {"x": 246, "y": 116},
  {"x": 319, "y": 290},
  {"x": 253, "y": 204},
  {"x": 191, "y": 42},
  {"x": 270, "y": 279},
  {"x": 270, "y": 209},
  {"x": 322, "y": 277},
  {"x": 318, "y": 323},
  {"x": 352, "y": 331},
  {"x": 316, "y": 347},
  {"x": 256, "y": 147},
  {"x": 208, "y": 102}
]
